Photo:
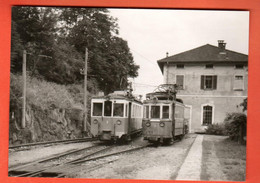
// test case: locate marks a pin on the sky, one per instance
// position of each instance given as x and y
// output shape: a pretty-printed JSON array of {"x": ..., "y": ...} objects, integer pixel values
[{"x": 151, "y": 33}]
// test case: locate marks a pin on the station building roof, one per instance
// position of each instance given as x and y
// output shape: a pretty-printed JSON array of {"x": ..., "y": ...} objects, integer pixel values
[{"x": 205, "y": 54}]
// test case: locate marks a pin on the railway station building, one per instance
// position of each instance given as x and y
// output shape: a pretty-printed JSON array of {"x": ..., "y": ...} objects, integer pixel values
[{"x": 212, "y": 81}]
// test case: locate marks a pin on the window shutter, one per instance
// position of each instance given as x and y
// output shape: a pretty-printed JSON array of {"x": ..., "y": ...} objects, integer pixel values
[
  {"x": 202, "y": 82},
  {"x": 238, "y": 83},
  {"x": 179, "y": 81},
  {"x": 215, "y": 82}
]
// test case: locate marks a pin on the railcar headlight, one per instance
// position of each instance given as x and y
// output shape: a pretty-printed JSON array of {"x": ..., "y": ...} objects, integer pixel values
[
  {"x": 162, "y": 124},
  {"x": 95, "y": 121},
  {"x": 118, "y": 122},
  {"x": 148, "y": 124}
]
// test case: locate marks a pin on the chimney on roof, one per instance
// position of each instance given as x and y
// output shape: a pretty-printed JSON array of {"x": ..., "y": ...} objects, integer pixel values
[
  {"x": 167, "y": 54},
  {"x": 222, "y": 53},
  {"x": 222, "y": 45}
]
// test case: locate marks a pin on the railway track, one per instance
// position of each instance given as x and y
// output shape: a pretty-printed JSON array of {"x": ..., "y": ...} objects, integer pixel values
[
  {"x": 76, "y": 165},
  {"x": 52, "y": 161},
  {"x": 53, "y": 142},
  {"x": 55, "y": 167}
]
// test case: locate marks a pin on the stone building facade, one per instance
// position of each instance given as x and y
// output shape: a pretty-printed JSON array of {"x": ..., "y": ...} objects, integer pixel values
[{"x": 212, "y": 82}]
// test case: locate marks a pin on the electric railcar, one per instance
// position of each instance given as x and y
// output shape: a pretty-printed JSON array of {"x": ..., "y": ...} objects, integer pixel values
[
  {"x": 116, "y": 116},
  {"x": 163, "y": 119}
]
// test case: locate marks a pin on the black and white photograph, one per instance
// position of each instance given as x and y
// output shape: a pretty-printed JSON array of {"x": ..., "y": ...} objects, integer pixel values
[{"x": 124, "y": 93}]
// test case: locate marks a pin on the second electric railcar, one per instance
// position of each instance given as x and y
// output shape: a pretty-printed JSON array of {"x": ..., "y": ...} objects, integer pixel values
[
  {"x": 116, "y": 116},
  {"x": 163, "y": 119}
]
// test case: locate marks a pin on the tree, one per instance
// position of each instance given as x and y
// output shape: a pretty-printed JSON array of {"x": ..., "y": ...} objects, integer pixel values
[
  {"x": 244, "y": 105},
  {"x": 63, "y": 34},
  {"x": 16, "y": 48},
  {"x": 110, "y": 60},
  {"x": 36, "y": 29},
  {"x": 65, "y": 65}
]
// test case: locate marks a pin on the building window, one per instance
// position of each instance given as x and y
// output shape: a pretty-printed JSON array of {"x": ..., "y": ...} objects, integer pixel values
[
  {"x": 180, "y": 81},
  {"x": 208, "y": 82},
  {"x": 207, "y": 115},
  {"x": 238, "y": 83},
  {"x": 209, "y": 66},
  {"x": 239, "y": 66},
  {"x": 180, "y": 66}
]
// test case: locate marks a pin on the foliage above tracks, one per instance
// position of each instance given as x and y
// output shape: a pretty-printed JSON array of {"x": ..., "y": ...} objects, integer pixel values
[{"x": 63, "y": 34}]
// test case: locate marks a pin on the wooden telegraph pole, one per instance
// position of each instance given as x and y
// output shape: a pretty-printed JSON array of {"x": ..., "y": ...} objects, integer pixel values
[
  {"x": 85, "y": 92},
  {"x": 24, "y": 89}
]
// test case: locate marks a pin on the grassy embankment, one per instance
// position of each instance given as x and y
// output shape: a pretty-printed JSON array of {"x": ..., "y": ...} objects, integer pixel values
[{"x": 52, "y": 110}]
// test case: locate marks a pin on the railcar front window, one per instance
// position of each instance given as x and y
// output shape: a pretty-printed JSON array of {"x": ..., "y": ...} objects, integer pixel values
[
  {"x": 108, "y": 108},
  {"x": 118, "y": 110},
  {"x": 165, "y": 112},
  {"x": 155, "y": 112},
  {"x": 146, "y": 111},
  {"x": 97, "y": 109}
]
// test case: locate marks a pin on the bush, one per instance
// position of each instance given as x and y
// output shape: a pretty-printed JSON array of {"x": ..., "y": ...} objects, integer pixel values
[
  {"x": 215, "y": 129},
  {"x": 235, "y": 125}
]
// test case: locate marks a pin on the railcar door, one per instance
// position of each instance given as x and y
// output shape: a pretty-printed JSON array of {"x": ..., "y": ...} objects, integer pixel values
[
  {"x": 173, "y": 119},
  {"x": 96, "y": 117},
  {"x": 129, "y": 118},
  {"x": 107, "y": 124}
]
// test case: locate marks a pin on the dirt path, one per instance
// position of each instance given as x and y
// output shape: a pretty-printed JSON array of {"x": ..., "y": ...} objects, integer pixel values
[{"x": 191, "y": 168}]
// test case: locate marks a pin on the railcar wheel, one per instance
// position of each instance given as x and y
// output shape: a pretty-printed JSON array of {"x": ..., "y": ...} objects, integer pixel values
[
  {"x": 167, "y": 141},
  {"x": 181, "y": 137},
  {"x": 156, "y": 143},
  {"x": 125, "y": 139}
]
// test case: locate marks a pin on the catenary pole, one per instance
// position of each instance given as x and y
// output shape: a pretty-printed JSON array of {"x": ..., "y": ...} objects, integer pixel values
[
  {"x": 85, "y": 92},
  {"x": 24, "y": 89}
]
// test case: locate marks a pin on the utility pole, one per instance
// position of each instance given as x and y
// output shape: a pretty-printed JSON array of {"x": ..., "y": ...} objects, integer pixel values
[
  {"x": 24, "y": 89},
  {"x": 23, "y": 125},
  {"x": 85, "y": 92}
]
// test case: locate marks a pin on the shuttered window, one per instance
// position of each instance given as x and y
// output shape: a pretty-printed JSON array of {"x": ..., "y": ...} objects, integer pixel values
[
  {"x": 238, "y": 83},
  {"x": 180, "y": 81},
  {"x": 208, "y": 82}
]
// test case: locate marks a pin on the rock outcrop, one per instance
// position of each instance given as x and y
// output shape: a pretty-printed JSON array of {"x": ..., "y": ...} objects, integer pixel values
[{"x": 45, "y": 125}]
